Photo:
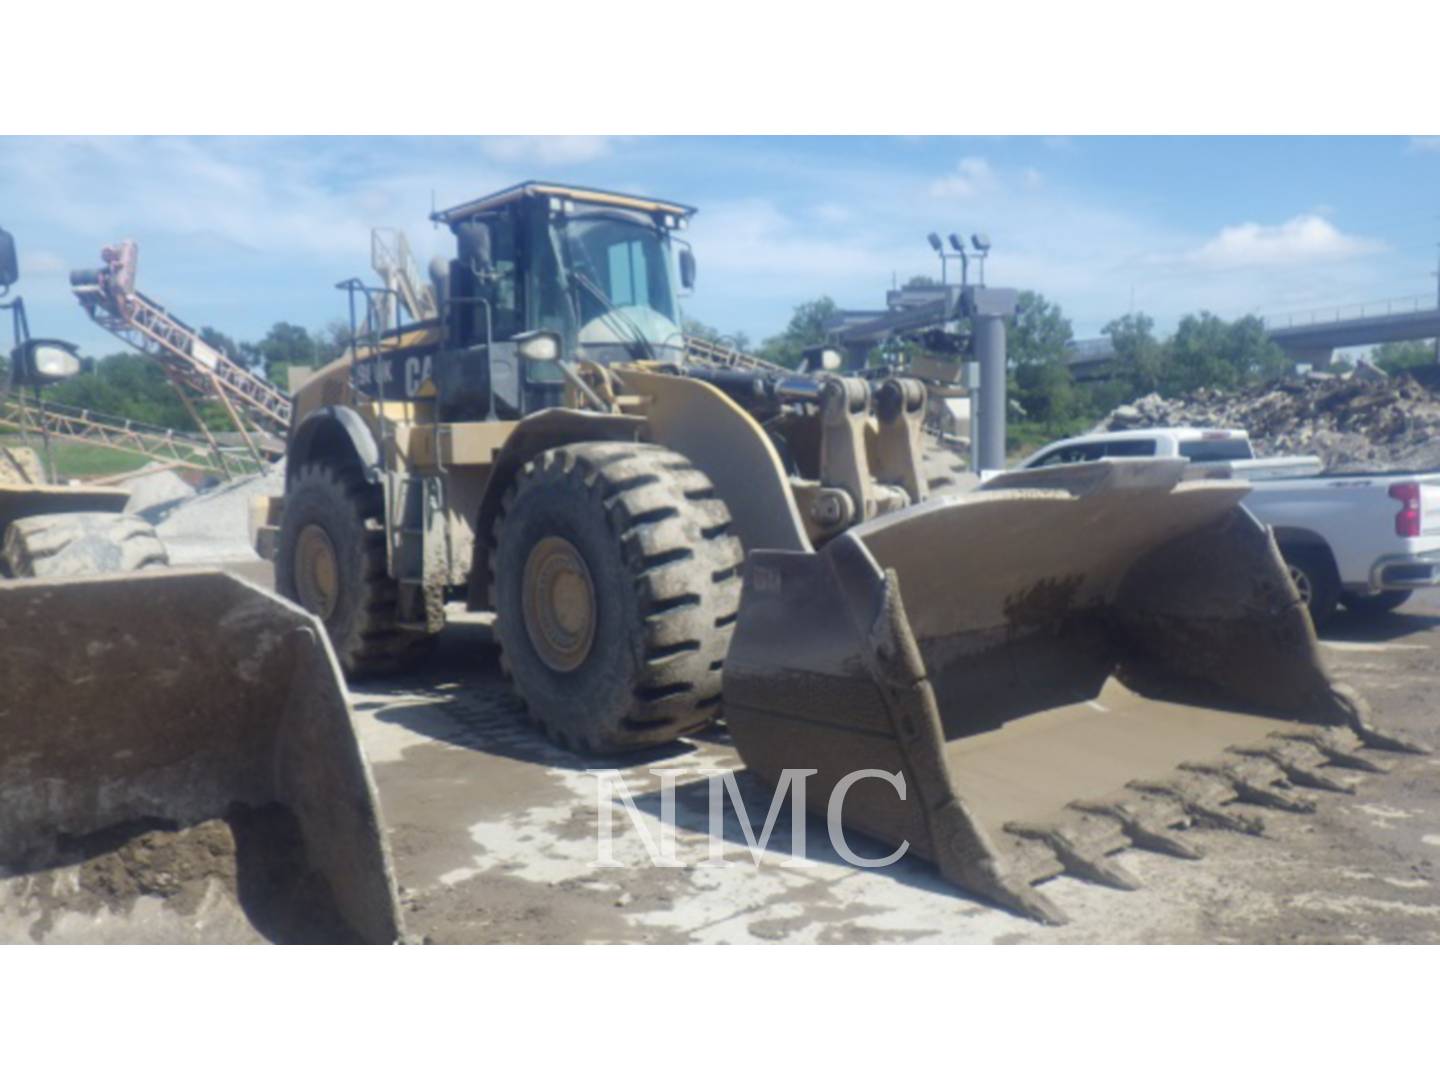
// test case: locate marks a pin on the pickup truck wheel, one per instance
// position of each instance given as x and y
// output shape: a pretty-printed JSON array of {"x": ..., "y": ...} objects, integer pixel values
[
  {"x": 1313, "y": 572},
  {"x": 1378, "y": 604}
]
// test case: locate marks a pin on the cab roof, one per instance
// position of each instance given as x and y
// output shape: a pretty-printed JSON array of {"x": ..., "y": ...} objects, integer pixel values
[{"x": 595, "y": 196}]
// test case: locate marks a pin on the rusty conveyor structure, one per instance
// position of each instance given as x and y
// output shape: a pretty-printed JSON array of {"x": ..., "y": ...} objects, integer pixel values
[
  {"x": 89, "y": 428},
  {"x": 259, "y": 410}
]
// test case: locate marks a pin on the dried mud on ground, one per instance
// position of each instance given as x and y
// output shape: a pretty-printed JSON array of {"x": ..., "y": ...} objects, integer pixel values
[{"x": 494, "y": 834}]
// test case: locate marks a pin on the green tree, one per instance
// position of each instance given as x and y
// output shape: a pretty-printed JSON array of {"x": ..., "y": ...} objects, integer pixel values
[
  {"x": 1047, "y": 392},
  {"x": 1208, "y": 351},
  {"x": 1038, "y": 332},
  {"x": 134, "y": 387},
  {"x": 1139, "y": 355},
  {"x": 1396, "y": 356},
  {"x": 285, "y": 344},
  {"x": 806, "y": 328}
]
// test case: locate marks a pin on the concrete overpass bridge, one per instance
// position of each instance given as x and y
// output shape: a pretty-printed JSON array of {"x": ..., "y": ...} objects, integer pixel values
[
  {"x": 1307, "y": 337},
  {"x": 1311, "y": 337}
]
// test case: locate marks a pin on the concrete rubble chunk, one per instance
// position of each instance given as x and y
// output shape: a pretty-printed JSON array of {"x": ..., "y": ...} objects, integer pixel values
[{"x": 1354, "y": 421}]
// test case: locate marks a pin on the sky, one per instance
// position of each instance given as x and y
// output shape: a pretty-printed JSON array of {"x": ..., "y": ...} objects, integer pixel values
[{"x": 239, "y": 233}]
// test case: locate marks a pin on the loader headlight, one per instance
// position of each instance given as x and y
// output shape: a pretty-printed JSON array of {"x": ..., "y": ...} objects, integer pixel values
[
  {"x": 45, "y": 361},
  {"x": 538, "y": 347}
]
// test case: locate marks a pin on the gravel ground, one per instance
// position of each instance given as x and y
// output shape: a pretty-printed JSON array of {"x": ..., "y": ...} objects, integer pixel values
[
  {"x": 494, "y": 833},
  {"x": 214, "y": 526}
]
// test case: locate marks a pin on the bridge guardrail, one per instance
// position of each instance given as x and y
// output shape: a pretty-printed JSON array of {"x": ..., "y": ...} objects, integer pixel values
[{"x": 1369, "y": 309}]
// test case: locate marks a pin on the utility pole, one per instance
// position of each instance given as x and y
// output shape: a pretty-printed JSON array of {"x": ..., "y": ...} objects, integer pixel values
[{"x": 1437, "y": 301}]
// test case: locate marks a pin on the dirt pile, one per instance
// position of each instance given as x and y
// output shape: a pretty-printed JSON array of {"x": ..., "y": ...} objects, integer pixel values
[
  {"x": 242, "y": 877},
  {"x": 1354, "y": 421}
]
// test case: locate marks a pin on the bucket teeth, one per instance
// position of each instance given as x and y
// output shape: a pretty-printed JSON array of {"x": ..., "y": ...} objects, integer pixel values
[
  {"x": 1009, "y": 890},
  {"x": 1138, "y": 833},
  {"x": 1377, "y": 739},
  {"x": 1250, "y": 791},
  {"x": 1354, "y": 711},
  {"x": 1202, "y": 812},
  {"x": 1335, "y": 755},
  {"x": 1295, "y": 772},
  {"x": 1080, "y": 862}
]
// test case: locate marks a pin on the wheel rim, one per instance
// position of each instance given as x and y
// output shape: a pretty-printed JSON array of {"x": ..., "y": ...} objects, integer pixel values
[
  {"x": 317, "y": 571},
  {"x": 559, "y": 604},
  {"x": 1302, "y": 585}
]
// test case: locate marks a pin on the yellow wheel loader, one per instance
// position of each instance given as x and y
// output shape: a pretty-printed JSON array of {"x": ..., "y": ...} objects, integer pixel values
[
  {"x": 48, "y": 529},
  {"x": 177, "y": 761},
  {"x": 667, "y": 537}
]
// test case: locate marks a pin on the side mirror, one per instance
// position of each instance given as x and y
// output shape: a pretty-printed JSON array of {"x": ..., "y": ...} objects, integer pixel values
[
  {"x": 9, "y": 261},
  {"x": 43, "y": 362},
  {"x": 687, "y": 269},
  {"x": 474, "y": 241}
]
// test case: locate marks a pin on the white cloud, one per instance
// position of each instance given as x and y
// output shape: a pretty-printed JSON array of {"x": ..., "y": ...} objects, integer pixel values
[
  {"x": 547, "y": 149},
  {"x": 971, "y": 177},
  {"x": 1303, "y": 239},
  {"x": 1425, "y": 144},
  {"x": 41, "y": 264}
]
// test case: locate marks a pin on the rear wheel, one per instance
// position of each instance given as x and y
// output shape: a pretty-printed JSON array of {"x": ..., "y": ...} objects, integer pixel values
[
  {"x": 1313, "y": 572},
  {"x": 331, "y": 561},
  {"x": 77, "y": 545},
  {"x": 615, "y": 583},
  {"x": 1378, "y": 604}
]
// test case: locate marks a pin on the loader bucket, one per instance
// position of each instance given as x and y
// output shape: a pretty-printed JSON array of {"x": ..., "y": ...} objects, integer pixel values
[
  {"x": 1060, "y": 665},
  {"x": 178, "y": 764}
]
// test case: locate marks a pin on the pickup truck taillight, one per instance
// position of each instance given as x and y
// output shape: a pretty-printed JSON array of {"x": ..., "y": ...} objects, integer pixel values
[{"x": 1407, "y": 521}]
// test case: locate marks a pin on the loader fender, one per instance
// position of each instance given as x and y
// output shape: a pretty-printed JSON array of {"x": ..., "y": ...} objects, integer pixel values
[
  {"x": 331, "y": 433},
  {"x": 179, "y": 765},
  {"x": 726, "y": 443},
  {"x": 1059, "y": 667},
  {"x": 538, "y": 432}
]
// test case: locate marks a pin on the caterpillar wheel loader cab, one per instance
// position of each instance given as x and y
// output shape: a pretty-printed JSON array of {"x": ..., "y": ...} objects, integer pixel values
[
  {"x": 49, "y": 529},
  {"x": 553, "y": 448}
]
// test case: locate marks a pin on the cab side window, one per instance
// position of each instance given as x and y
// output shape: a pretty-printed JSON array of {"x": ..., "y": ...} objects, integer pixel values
[
  {"x": 1071, "y": 455},
  {"x": 1130, "y": 448}
]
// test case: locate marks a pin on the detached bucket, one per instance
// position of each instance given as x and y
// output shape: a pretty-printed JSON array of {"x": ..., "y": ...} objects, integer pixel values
[
  {"x": 177, "y": 763},
  {"x": 1025, "y": 654}
]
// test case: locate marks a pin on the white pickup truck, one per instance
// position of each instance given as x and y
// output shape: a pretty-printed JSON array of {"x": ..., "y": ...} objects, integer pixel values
[{"x": 1365, "y": 539}]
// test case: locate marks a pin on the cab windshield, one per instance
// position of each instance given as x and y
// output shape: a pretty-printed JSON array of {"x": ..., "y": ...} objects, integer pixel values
[{"x": 622, "y": 285}]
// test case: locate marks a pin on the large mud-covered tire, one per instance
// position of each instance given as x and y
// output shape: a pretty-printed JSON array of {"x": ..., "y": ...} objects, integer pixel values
[
  {"x": 330, "y": 559},
  {"x": 1312, "y": 569},
  {"x": 615, "y": 582},
  {"x": 78, "y": 545}
]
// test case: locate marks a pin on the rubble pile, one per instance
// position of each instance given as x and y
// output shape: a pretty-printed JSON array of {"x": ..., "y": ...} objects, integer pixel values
[{"x": 1354, "y": 421}]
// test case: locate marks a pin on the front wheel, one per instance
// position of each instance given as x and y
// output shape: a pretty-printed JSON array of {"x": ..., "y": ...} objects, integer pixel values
[{"x": 615, "y": 584}]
